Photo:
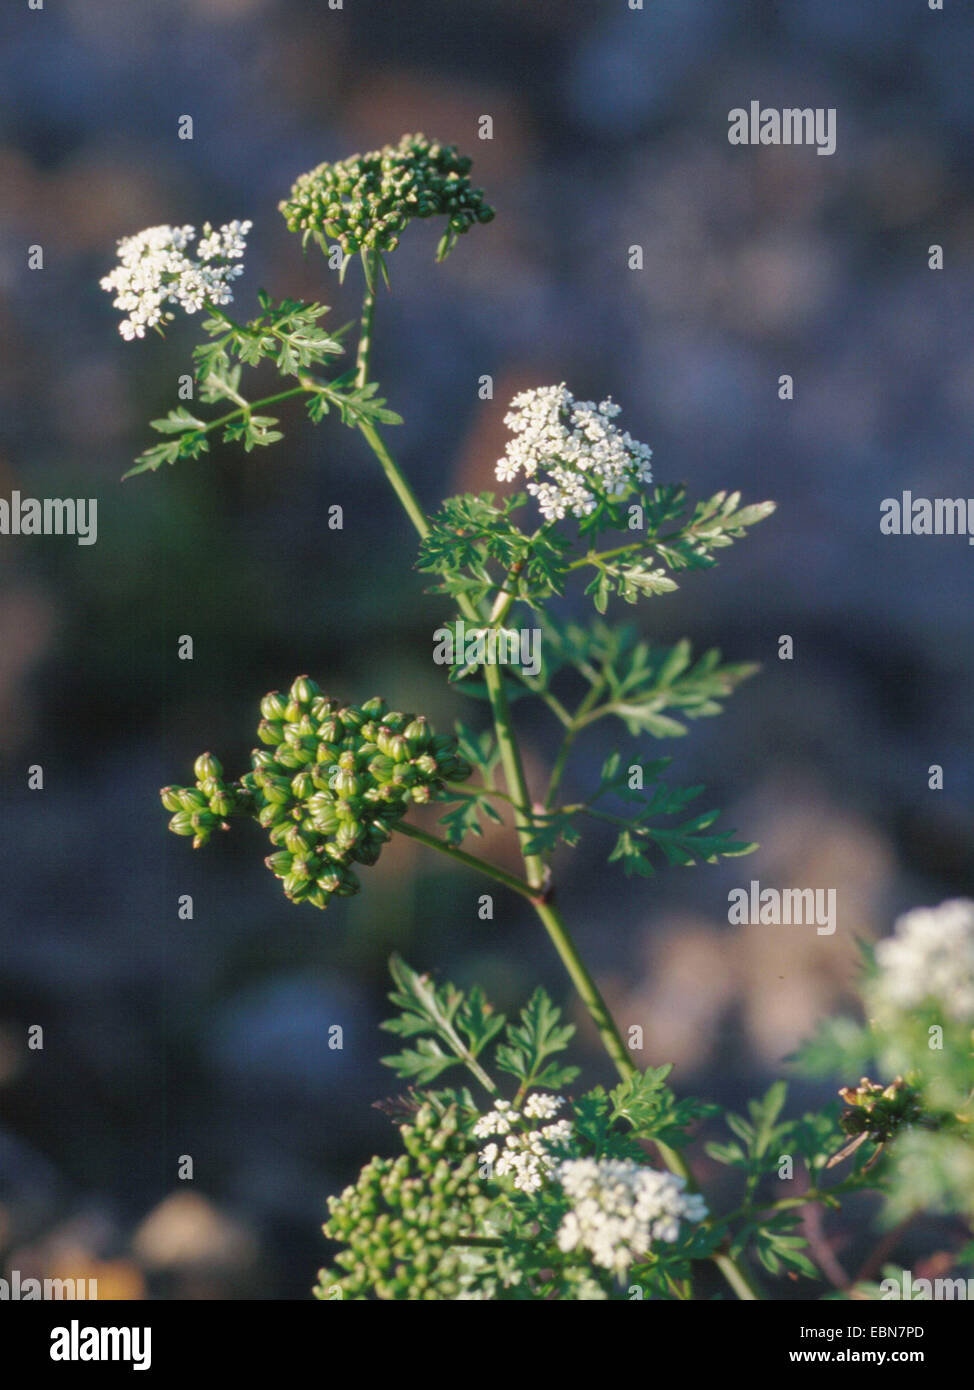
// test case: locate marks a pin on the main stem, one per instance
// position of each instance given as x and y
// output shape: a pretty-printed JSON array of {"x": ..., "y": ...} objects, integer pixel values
[{"x": 538, "y": 894}]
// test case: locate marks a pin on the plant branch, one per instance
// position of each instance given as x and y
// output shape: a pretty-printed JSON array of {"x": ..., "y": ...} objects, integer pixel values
[{"x": 470, "y": 861}]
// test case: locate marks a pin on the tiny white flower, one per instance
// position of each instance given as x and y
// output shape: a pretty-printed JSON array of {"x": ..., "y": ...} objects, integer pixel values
[
  {"x": 930, "y": 957},
  {"x": 541, "y": 1106},
  {"x": 618, "y": 1208},
  {"x": 528, "y": 1156},
  {"x": 570, "y": 452},
  {"x": 155, "y": 272}
]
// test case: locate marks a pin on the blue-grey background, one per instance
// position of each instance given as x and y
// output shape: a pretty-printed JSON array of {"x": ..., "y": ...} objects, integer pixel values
[{"x": 209, "y": 1038}]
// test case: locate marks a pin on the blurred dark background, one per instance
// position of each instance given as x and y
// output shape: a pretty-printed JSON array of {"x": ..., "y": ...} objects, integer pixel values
[{"x": 208, "y": 1037}]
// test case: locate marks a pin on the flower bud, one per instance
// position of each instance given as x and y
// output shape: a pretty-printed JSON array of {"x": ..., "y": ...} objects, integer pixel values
[
  {"x": 169, "y": 796},
  {"x": 268, "y": 732}
]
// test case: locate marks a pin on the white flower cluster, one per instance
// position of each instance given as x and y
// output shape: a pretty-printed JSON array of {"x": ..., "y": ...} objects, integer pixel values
[
  {"x": 525, "y": 1153},
  {"x": 930, "y": 956},
  {"x": 570, "y": 452},
  {"x": 619, "y": 1208},
  {"x": 155, "y": 270}
]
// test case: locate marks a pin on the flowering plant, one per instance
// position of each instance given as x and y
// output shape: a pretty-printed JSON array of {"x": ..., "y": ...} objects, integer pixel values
[{"x": 520, "y": 1188}]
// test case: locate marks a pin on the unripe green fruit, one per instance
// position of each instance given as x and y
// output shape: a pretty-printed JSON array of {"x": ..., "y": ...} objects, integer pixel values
[
  {"x": 221, "y": 803},
  {"x": 322, "y": 708},
  {"x": 207, "y": 766},
  {"x": 272, "y": 706},
  {"x": 417, "y": 735},
  {"x": 277, "y": 789},
  {"x": 328, "y": 786},
  {"x": 330, "y": 731},
  {"x": 302, "y": 785},
  {"x": 398, "y": 749},
  {"x": 304, "y": 690}
]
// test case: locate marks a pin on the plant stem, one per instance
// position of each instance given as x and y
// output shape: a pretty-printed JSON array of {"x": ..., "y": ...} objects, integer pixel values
[
  {"x": 471, "y": 861},
  {"x": 534, "y": 889},
  {"x": 738, "y": 1278},
  {"x": 513, "y": 772},
  {"x": 364, "y": 353},
  {"x": 571, "y": 733},
  {"x": 588, "y": 990},
  {"x": 399, "y": 484}
]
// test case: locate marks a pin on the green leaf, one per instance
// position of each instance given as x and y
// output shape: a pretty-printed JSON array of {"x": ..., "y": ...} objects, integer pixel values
[
  {"x": 527, "y": 1045},
  {"x": 463, "y": 1023},
  {"x": 177, "y": 422}
]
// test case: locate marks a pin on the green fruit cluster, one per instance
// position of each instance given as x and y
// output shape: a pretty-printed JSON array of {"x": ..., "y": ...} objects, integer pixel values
[
  {"x": 367, "y": 201},
  {"x": 200, "y": 810},
  {"x": 329, "y": 785},
  {"x": 878, "y": 1110},
  {"x": 401, "y": 1221}
]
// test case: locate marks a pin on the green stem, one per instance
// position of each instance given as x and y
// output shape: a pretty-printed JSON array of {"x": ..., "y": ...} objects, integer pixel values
[
  {"x": 738, "y": 1278},
  {"x": 571, "y": 733},
  {"x": 399, "y": 484},
  {"x": 250, "y": 407},
  {"x": 588, "y": 990},
  {"x": 535, "y": 869},
  {"x": 364, "y": 353},
  {"x": 470, "y": 861},
  {"x": 594, "y": 557}
]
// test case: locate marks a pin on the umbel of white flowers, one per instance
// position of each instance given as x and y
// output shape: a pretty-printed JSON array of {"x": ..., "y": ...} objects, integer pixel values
[
  {"x": 570, "y": 452},
  {"x": 528, "y": 1155},
  {"x": 155, "y": 270},
  {"x": 618, "y": 1208},
  {"x": 929, "y": 959}
]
